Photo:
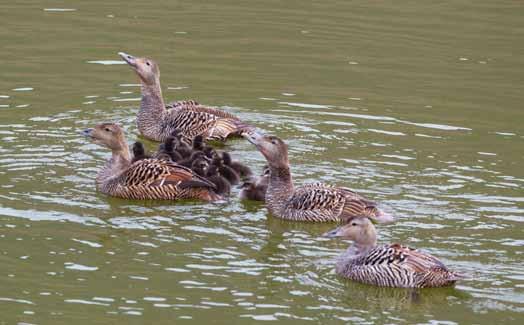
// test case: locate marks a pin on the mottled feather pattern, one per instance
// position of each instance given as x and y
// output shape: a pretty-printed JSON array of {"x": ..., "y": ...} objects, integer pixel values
[
  {"x": 157, "y": 179},
  {"x": 323, "y": 203},
  {"x": 397, "y": 266}
]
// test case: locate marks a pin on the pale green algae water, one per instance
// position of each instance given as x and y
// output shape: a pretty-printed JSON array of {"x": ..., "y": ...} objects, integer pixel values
[{"x": 416, "y": 104}]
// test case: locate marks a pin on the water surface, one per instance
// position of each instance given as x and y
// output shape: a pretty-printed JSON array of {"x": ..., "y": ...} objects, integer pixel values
[{"x": 414, "y": 104}]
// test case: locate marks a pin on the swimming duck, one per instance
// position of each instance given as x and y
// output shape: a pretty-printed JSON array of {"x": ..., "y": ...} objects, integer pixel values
[
  {"x": 255, "y": 188},
  {"x": 139, "y": 152},
  {"x": 311, "y": 202},
  {"x": 156, "y": 121},
  {"x": 146, "y": 178},
  {"x": 390, "y": 265},
  {"x": 242, "y": 170}
]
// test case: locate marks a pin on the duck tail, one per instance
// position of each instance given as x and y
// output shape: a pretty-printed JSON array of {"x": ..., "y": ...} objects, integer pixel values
[
  {"x": 228, "y": 126},
  {"x": 383, "y": 216}
]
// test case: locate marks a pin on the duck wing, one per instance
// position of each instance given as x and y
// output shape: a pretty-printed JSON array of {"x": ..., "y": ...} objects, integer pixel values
[
  {"x": 396, "y": 265},
  {"x": 156, "y": 172},
  {"x": 315, "y": 202},
  {"x": 195, "y": 119}
]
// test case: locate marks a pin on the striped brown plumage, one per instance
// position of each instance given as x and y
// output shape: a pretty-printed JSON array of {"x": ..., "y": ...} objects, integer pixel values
[
  {"x": 156, "y": 121},
  {"x": 395, "y": 265},
  {"x": 314, "y": 202},
  {"x": 158, "y": 179},
  {"x": 391, "y": 265}
]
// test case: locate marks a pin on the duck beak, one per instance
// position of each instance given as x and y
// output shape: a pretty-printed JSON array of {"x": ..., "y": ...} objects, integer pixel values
[
  {"x": 333, "y": 233},
  {"x": 253, "y": 136},
  {"x": 88, "y": 133},
  {"x": 128, "y": 58}
]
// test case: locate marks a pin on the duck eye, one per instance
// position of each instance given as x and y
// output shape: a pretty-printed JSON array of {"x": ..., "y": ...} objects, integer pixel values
[
  {"x": 148, "y": 63},
  {"x": 108, "y": 129},
  {"x": 354, "y": 224}
]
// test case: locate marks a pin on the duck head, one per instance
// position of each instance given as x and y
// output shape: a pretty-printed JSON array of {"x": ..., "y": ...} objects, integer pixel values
[
  {"x": 360, "y": 230},
  {"x": 109, "y": 135},
  {"x": 145, "y": 68},
  {"x": 271, "y": 147}
]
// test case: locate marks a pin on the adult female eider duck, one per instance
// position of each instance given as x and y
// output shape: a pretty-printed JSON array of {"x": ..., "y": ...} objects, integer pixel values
[
  {"x": 145, "y": 178},
  {"x": 390, "y": 265},
  {"x": 156, "y": 121},
  {"x": 311, "y": 202}
]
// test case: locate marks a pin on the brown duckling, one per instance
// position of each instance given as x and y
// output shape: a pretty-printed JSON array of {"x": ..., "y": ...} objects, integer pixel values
[
  {"x": 202, "y": 167},
  {"x": 187, "y": 162},
  {"x": 390, "y": 265},
  {"x": 166, "y": 150},
  {"x": 146, "y": 178},
  {"x": 198, "y": 143},
  {"x": 229, "y": 173},
  {"x": 311, "y": 202},
  {"x": 139, "y": 152},
  {"x": 156, "y": 122},
  {"x": 255, "y": 188},
  {"x": 242, "y": 170}
]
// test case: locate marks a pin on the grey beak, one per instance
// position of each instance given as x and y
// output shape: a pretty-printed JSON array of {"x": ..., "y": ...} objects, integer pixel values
[
  {"x": 131, "y": 60},
  {"x": 332, "y": 233},
  {"x": 253, "y": 136},
  {"x": 87, "y": 132}
]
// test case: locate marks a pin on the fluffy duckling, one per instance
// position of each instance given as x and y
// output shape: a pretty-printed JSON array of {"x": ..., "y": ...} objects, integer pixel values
[
  {"x": 311, "y": 202},
  {"x": 166, "y": 150},
  {"x": 227, "y": 172},
  {"x": 139, "y": 152},
  {"x": 390, "y": 265},
  {"x": 187, "y": 162},
  {"x": 146, "y": 178},
  {"x": 202, "y": 167},
  {"x": 242, "y": 170},
  {"x": 198, "y": 143},
  {"x": 255, "y": 188},
  {"x": 156, "y": 122}
]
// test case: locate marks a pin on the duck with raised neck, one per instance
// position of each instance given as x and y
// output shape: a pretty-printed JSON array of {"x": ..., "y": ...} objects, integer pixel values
[
  {"x": 390, "y": 265},
  {"x": 156, "y": 121},
  {"x": 144, "y": 178},
  {"x": 311, "y": 202}
]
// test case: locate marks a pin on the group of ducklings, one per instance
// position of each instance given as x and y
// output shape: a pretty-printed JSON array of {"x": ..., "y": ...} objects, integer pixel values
[
  {"x": 217, "y": 167},
  {"x": 186, "y": 167}
]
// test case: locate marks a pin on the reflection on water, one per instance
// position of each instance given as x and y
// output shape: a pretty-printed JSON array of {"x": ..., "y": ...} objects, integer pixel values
[{"x": 407, "y": 114}]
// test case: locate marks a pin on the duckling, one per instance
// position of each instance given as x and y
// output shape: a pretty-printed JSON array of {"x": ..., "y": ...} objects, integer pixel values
[
  {"x": 181, "y": 146},
  {"x": 227, "y": 172},
  {"x": 210, "y": 172},
  {"x": 255, "y": 188},
  {"x": 311, "y": 202},
  {"x": 166, "y": 151},
  {"x": 146, "y": 178},
  {"x": 198, "y": 143},
  {"x": 390, "y": 265},
  {"x": 210, "y": 152},
  {"x": 242, "y": 170},
  {"x": 139, "y": 152},
  {"x": 156, "y": 122},
  {"x": 187, "y": 162}
]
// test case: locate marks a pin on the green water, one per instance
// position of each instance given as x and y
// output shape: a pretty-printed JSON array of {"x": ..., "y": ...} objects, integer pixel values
[{"x": 416, "y": 104}]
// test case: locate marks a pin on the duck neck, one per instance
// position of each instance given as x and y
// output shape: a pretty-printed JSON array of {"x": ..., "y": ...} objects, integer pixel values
[
  {"x": 119, "y": 161},
  {"x": 280, "y": 188},
  {"x": 151, "y": 111}
]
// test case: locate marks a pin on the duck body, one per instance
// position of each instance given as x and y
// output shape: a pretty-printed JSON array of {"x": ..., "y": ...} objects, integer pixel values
[
  {"x": 156, "y": 179},
  {"x": 390, "y": 265},
  {"x": 146, "y": 178},
  {"x": 394, "y": 265},
  {"x": 156, "y": 121},
  {"x": 314, "y": 202}
]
